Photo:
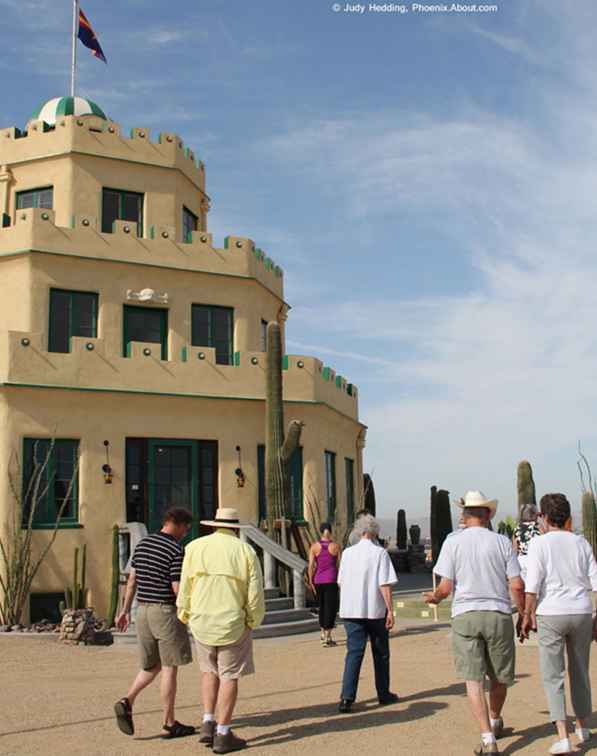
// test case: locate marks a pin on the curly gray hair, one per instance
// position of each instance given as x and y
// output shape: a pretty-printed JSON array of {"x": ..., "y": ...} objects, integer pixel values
[{"x": 366, "y": 525}]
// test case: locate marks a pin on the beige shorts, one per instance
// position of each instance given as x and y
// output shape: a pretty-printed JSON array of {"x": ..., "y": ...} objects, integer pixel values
[
  {"x": 162, "y": 637},
  {"x": 228, "y": 662},
  {"x": 483, "y": 644}
]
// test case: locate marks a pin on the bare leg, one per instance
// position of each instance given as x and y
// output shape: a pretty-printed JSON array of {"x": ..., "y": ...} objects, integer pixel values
[
  {"x": 562, "y": 726},
  {"x": 143, "y": 679},
  {"x": 227, "y": 701},
  {"x": 210, "y": 686},
  {"x": 168, "y": 693},
  {"x": 497, "y": 698},
  {"x": 478, "y": 703}
]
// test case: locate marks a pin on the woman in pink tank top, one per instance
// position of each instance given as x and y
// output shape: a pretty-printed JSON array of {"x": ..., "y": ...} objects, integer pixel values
[{"x": 324, "y": 558}]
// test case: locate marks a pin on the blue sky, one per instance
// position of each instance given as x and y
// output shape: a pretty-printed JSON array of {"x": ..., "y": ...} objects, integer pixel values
[{"x": 428, "y": 182}]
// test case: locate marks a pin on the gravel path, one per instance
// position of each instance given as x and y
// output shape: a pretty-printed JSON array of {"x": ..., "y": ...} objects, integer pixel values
[{"x": 58, "y": 700}]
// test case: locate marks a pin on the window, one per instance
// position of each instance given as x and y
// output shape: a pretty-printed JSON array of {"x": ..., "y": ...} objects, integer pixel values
[
  {"x": 36, "y": 198},
  {"x": 330, "y": 485},
  {"x": 262, "y": 509},
  {"x": 349, "y": 472},
  {"x": 212, "y": 327},
  {"x": 49, "y": 467},
  {"x": 118, "y": 205},
  {"x": 72, "y": 313},
  {"x": 295, "y": 471},
  {"x": 145, "y": 325},
  {"x": 263, "y": 335},
  {"x": 190, "y": 223}
]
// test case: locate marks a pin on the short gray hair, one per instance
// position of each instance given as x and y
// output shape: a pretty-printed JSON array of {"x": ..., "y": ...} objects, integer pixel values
[
  {"x": 528, "y": 513},
  {"x": 366, "y": 525}
]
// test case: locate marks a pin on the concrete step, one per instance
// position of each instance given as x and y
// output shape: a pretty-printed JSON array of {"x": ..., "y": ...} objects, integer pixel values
[
  {"x": 277, "y": 630},
  {"x": 277, "y": 604},
  {"x": 272, "y": 593},
  {"x": 285, "y": 616}
]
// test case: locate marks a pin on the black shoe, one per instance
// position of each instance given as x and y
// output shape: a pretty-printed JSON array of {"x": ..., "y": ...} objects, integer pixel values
[
  {"x": 390, "y": 699},
  {"x": 345, "y": 706},
  {"x": 124, "y": 716}
]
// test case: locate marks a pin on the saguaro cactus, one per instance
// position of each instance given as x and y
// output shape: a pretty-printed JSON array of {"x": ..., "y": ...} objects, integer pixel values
[
  {"x": 440, "y": 521},
  {"x": 525, "y": 485},
  {"x": 278, "y": 450},
  {"x": 115, "y": 584},
  {"x": 589, "y": 519},
  {"x": 401, "y": 530}
]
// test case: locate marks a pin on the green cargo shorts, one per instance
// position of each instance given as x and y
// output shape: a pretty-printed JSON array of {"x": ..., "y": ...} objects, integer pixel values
[
  {"x": 162, "y": 637},
  {"x": 483, "y": 644}
]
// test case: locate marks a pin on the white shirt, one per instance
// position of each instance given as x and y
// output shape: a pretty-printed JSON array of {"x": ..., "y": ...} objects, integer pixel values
[
  {"x": 363, "y": 569},
  {"x": 479, "y": 562},
  {"x": 561, "y": 570}
]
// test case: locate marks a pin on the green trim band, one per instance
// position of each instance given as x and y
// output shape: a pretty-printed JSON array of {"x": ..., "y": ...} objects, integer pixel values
[
  {"x": 61, "y": 526},
  {"x": 169, "y": 394}
]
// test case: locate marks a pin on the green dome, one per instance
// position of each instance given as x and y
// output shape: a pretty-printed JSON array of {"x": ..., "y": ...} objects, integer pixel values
[{"x": 67, "y": 106}]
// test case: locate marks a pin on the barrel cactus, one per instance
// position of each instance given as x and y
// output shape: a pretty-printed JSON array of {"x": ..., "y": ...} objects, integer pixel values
[
  {"x": 525, "y": 486},
  {"x": 589, "y": 519},
  {"x": 278, "y": 450},
  {"x": 401, "y": 530}
]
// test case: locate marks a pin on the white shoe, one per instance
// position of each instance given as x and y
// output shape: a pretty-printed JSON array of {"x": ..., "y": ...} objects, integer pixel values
[
  {"x": 562, "y": 746},
  {"x": 583, "y": 735}
]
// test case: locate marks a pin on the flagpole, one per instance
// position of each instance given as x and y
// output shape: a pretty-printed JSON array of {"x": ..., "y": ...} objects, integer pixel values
[{"x": 73, "y": 81}]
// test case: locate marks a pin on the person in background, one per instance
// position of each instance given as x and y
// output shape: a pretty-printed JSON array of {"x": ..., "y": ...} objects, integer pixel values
[
  {"x": 366, "y": 577},
  {"x": 163, "y": 641},
  {"x": 222, "y": 599},
  {"x": 561, "y": 573},
  {"x": 525, "y": 531},
  {"x": 481, "y": 569},
  {"x": 354, "y": 536},
  {"x": 324, "y": 557}
]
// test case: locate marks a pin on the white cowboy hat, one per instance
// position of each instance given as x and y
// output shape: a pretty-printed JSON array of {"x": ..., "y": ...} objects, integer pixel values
[
  {"x": 226, "y": 517},
  {"x": 478, "y": 499}
]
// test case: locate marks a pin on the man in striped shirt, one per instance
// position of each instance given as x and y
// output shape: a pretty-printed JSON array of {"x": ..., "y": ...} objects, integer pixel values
[{"x": 163, "y": 640}]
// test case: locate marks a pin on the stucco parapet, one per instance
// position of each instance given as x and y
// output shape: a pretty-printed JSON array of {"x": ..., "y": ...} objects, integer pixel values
[
  {"x": 35, "y": 230},
  {"x": 90, "y": 135},
  {"x": 193, "y": 370}
]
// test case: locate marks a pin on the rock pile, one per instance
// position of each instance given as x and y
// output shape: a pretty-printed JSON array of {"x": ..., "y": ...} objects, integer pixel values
[{"x": 80, "y": 626}]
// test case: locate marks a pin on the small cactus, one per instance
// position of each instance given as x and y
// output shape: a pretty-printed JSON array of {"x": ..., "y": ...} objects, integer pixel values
[
  {"x": 75, "y": 597},
  {"x": 589, "y": 519},
  {"x": 401, "y": 530}
]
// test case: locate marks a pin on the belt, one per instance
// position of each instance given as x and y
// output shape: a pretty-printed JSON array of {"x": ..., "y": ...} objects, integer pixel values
[{"x": 155, "y": 603}]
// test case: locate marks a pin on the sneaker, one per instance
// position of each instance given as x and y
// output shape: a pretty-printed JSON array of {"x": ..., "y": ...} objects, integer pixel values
[
  {"x": 562, "y": 746},
  {"x": 124, "y": 716},
  {"x": 498, "y": 728},
  {"x": 228, "y": 743},
  {"x": 388, "y": 700},
  {"x": 583, "y": 734},
  {"x": 485, "y": 749},
  {"x": 208, "y": 730}
]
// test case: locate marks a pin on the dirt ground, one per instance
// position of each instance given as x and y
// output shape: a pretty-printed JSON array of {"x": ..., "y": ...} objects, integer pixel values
[{"x": 58, "y": 700}]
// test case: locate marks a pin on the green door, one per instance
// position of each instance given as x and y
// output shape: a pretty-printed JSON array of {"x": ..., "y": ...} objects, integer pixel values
[{"x": 173, "y": 480}]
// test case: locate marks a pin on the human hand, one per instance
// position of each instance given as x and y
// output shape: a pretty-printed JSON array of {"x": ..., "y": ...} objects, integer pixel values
[
  {"x": 529, "y": 622},
  {"x": 122, "y": 622},
  {"x": 389, "y": 620},
  {"x": 430, "y": 598}
]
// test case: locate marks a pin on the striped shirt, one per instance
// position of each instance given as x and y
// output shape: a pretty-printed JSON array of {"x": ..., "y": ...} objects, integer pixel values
[{"x": 157, "y": 562}]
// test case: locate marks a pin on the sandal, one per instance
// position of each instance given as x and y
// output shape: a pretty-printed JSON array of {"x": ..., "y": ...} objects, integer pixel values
[
  {"x": 124, "y": 716},
  {"x": 177, "y": 730}
]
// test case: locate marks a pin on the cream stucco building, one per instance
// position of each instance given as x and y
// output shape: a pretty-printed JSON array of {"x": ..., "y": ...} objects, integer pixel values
[{"x": 131, "y": 339}]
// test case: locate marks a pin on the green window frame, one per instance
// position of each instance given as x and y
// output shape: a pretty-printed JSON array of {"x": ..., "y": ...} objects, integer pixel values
[
  {"x": 72, "y": 313},
  {"x": 157, "y": 321},
  {"x": 42, "y": 197},
  {"x": 349, "y": 477},
  {"x": 49, "y": 465},
  {"x": 213, "y": 326},
  {"x": 263, "y": 334},
  {"x": 190, "y": 223},
  {"x": 330, "y": 485},
  {"x": 119, "y": 204}
]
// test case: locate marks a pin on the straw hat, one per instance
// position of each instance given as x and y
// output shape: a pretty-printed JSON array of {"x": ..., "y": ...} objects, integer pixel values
[
  {"x": 478, "y": 499},
  {"x": 226, "y": 517}
]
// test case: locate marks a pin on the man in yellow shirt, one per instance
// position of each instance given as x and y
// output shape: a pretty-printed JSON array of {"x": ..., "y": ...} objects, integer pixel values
[{"x": 221, "y": 598}]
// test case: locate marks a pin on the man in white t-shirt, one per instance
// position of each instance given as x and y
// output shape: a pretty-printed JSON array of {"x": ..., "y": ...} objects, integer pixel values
[
  {"x": 366, "y": 577},
  {"x": 481, "y": 569}
]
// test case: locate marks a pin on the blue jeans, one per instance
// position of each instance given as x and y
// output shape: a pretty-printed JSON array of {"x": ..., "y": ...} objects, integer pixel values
[{"x": 357, "y": 633}]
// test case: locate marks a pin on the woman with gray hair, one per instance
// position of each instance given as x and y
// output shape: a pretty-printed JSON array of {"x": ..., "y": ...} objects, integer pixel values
[
  {"x": 366, "y": 577},
  {"x": 525, "y": 531}
]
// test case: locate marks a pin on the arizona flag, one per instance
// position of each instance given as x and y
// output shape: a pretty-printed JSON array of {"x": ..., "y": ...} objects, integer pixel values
[{"x": 88, "y": 38}]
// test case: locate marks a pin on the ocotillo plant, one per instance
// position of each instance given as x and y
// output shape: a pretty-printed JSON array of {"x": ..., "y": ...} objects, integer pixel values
[
  {"x": 589, "y": 519},
  {"x": 401, "y": 530},
  {"x": 115, "y": 585},
  {"x": 278, "y": 450},
  {"x": 76, "y": 596},
  {"x": 525, "y": 485}
]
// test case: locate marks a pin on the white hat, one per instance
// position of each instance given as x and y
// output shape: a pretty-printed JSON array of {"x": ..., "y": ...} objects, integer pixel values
[
  {"x": 226, "y": 517},
  {"x": 478, "y": 499}
]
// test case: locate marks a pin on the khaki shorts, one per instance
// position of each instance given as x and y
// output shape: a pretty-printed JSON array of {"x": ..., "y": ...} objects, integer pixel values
[
  {"x": 163, "y": 639},
  {"x": 228, "y": 662},
  {"x": 483, "y": 644}
]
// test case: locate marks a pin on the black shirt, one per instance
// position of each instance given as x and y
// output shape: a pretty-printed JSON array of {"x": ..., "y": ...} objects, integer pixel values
[{"x": 157, "y": 562}]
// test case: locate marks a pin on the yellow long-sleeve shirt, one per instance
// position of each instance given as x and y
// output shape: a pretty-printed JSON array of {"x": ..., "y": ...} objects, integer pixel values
[{"x": 221, "y": 589}]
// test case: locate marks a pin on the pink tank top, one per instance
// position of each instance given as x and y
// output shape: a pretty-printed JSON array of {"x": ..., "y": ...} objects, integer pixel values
[{"x": 327, "y": 565}]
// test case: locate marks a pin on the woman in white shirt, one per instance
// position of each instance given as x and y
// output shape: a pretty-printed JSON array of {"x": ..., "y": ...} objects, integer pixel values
[{"x": 561, "y": 572}]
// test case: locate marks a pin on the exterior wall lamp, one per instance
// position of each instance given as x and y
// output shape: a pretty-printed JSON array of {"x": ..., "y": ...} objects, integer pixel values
[
  {"x": 106, "y": 469},
  {"x": 240, "y": 476}
]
